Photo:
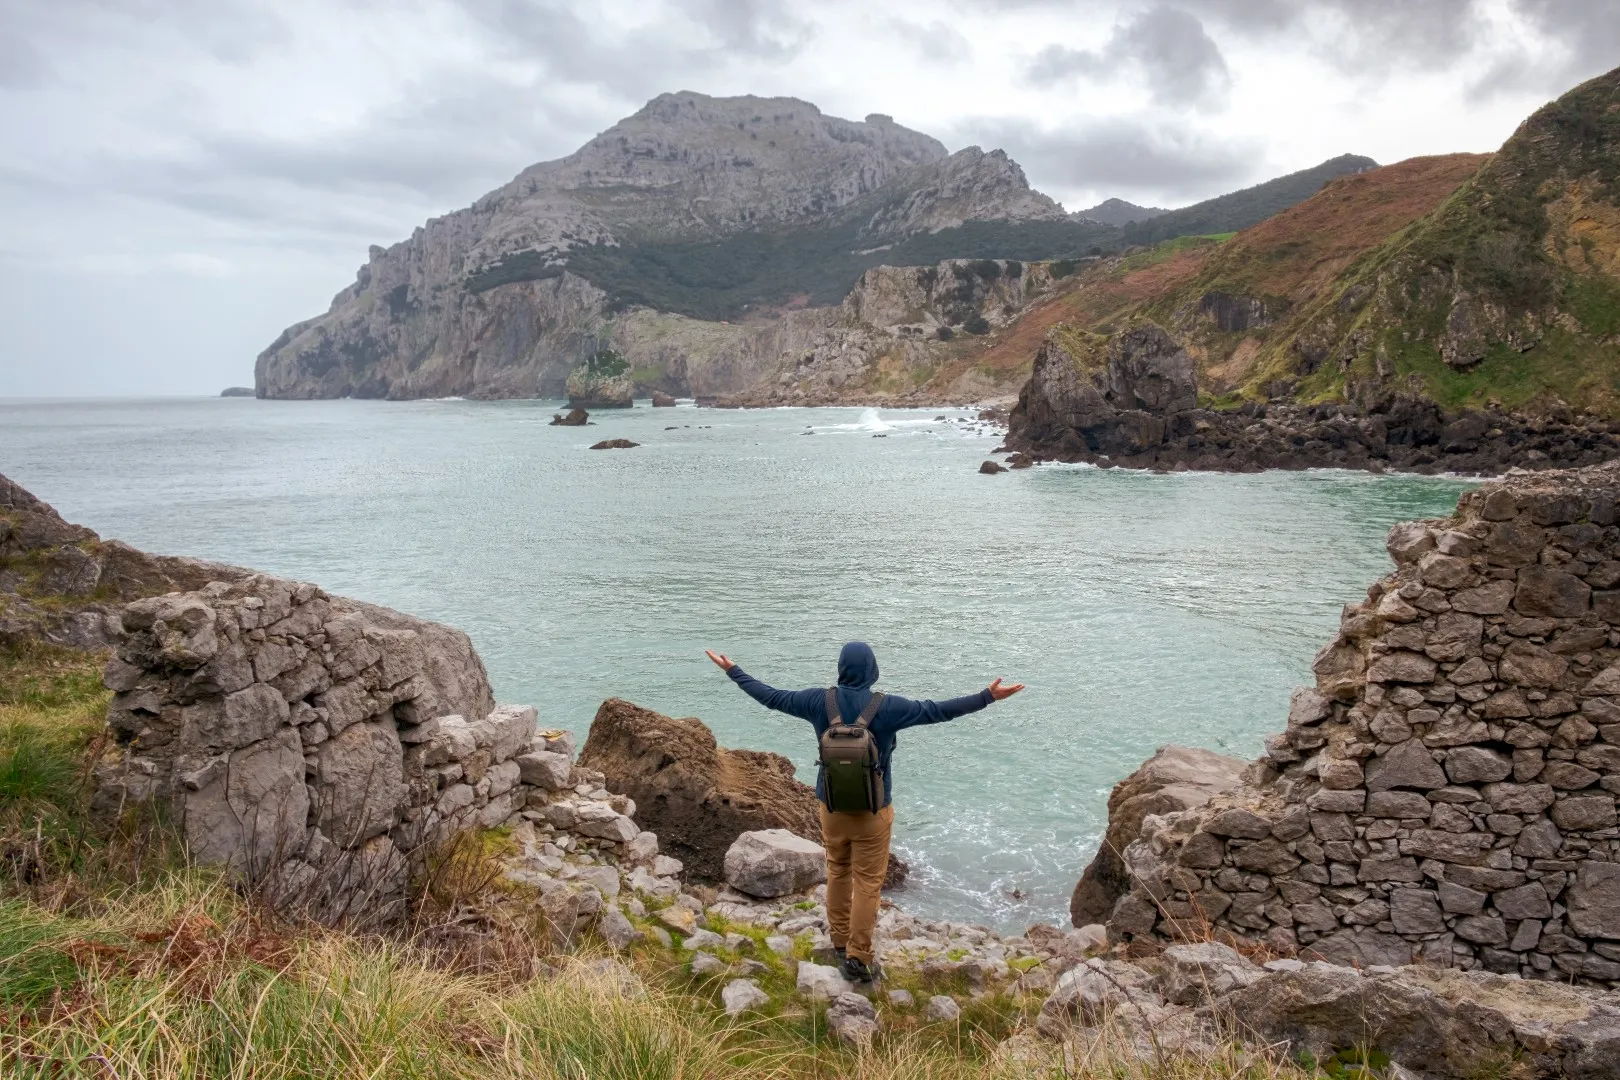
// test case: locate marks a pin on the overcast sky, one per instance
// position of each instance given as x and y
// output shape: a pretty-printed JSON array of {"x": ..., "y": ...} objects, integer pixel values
[{"x": 184, "y": 178}]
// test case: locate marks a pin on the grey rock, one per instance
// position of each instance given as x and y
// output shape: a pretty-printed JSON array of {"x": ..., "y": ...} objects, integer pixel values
[
  {"x": 1193, "y": 974},
  {"x": 706, "y": 964},
  {"x": 1594, "y": 900},
  {"x": 1091, "y": 992},
  {"x": 1416, "y": 911},
  {"x": 774, "y": 862},
  {"x": 1431, "y": 1021},
  {"x": 615, "y": 929},
  {"x": 360, "y": 774},
  {"x": 851, "y": 1019},
  {"x": 942, "y": 1008},
  {"x": 1408, "y": 765},
  {"x": 743, "y": 995},
  {"x": 544, "y": 769},
  {"x": 602, "y": 821},
  {"x": 1477, "y": 764},
  {"x": 820, "y": 981}
]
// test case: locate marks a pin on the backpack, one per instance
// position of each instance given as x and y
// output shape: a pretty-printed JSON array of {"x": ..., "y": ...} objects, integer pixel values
[{"x": 851, "y": 778}]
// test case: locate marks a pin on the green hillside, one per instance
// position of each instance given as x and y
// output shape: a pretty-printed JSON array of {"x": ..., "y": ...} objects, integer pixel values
[
  {"x": 1509, "y": 292},
  {"x": 1240, "y": 209}
]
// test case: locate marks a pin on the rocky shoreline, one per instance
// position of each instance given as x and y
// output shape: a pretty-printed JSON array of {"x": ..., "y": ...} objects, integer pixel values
[{"x": 1133, "y": 403}]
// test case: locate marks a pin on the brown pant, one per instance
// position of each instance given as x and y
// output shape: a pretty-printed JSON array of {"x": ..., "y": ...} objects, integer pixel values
[{"x": 857, "y": 858}]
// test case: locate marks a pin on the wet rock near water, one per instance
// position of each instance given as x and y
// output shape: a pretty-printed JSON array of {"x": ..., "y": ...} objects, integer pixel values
[
  {"x": 661, "y": 400},
  {"x": 1131, "y": 408},
  {"x": 576, "y": 418},
  {"x": 614, "y": 444}
]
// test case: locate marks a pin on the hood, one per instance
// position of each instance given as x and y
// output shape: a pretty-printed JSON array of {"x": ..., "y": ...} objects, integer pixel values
[{"x": 857, "y": 666}]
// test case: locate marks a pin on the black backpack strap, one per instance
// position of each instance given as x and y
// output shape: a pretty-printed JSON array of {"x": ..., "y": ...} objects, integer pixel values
[
  {"x": 833, "y": 715},
  {"x": 871, "y": 709}
]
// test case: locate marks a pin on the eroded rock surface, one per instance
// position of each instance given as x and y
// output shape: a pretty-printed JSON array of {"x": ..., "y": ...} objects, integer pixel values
[
  {"x": 1175, "y": 778},
  {"x": 314, "y": 744}
]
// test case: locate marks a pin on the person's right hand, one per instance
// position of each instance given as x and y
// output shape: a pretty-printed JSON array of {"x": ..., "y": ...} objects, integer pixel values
[
  {"x": 999, "y": 692},
  {"x": 721, "y": 661}
]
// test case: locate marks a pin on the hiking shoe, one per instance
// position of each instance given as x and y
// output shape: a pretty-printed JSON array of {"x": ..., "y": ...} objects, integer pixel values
[{"x": 857, "y": 970}]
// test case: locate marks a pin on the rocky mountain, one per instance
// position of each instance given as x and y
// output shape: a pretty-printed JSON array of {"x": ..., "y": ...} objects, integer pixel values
[
  {"x": 1117, "y": 212},
  {"x": 486, "y": 301},
  {"x": 709, "y": 241}
]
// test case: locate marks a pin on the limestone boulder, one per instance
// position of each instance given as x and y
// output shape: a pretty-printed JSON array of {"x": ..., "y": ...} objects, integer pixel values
[
  {"x": 1432, "y": 1021},
  {"x": 820, "y": 981},
  {"x": 742, "y": 995},
  {"x": 852, "y": 1019},
  {"x": 774, "y": 862},
  {"x": 1092, "y": 992},
  {"x": 1193, "y": 974},
  {"x": 1174, "y": 778}
]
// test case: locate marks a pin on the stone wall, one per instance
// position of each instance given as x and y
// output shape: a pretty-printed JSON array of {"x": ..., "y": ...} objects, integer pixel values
[
  {"x": 317, "y": 746},
  {"x": 1446, "y": 792}
]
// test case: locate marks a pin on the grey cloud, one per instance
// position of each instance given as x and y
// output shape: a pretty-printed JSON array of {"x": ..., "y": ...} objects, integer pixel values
[
  {"x": 21, "y": 64},
  {"x": 231, "y": 31},
  {"x": 641, "y": 62},
  {"x": 934, "y": 41},
  {"x": 1121, "y": 157},
  {"x": 1588, "y": 31},
  {"x": 1180, "y": 62}
]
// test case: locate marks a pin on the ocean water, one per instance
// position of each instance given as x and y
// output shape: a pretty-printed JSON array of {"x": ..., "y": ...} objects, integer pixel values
[{"x": 1139, "y": 609}]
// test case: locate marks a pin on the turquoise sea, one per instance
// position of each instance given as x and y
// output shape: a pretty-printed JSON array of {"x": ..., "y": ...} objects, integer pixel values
[{"x": 1140, "y": 609}]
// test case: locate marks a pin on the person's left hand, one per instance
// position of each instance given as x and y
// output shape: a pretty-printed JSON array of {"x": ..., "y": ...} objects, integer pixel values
[
  {"x": 997, "y": 691},
  {"x": 721, "y": 661}
]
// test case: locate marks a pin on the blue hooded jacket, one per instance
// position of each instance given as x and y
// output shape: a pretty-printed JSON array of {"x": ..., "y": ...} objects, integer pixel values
[{"x": 857, "y": 671}]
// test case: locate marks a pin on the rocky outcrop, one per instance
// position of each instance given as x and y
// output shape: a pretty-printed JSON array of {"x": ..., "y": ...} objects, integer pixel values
[
  {"x": 63, "y": 584},
  {"x": 698, "y": 796},
  {"x": 1173, "y": 779},
  {"x": 1129, "y": 401},
  {"x": 237, "y": 391},
  {"x": 589, "y": 391},
  {"x": 314, "y": 745},
  {"x": 575, "y": 417},
  {"x": 1446, "y": 791},
  {"x": 1089, "y": 398},
  {"x": 484, "y": 303}
]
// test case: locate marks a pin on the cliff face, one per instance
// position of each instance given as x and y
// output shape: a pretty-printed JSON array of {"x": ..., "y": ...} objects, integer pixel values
[
  {"x": 903, "y": 335},
  {"x": 483, "y": 302},
  {"x": 1446, "y": 790}
]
